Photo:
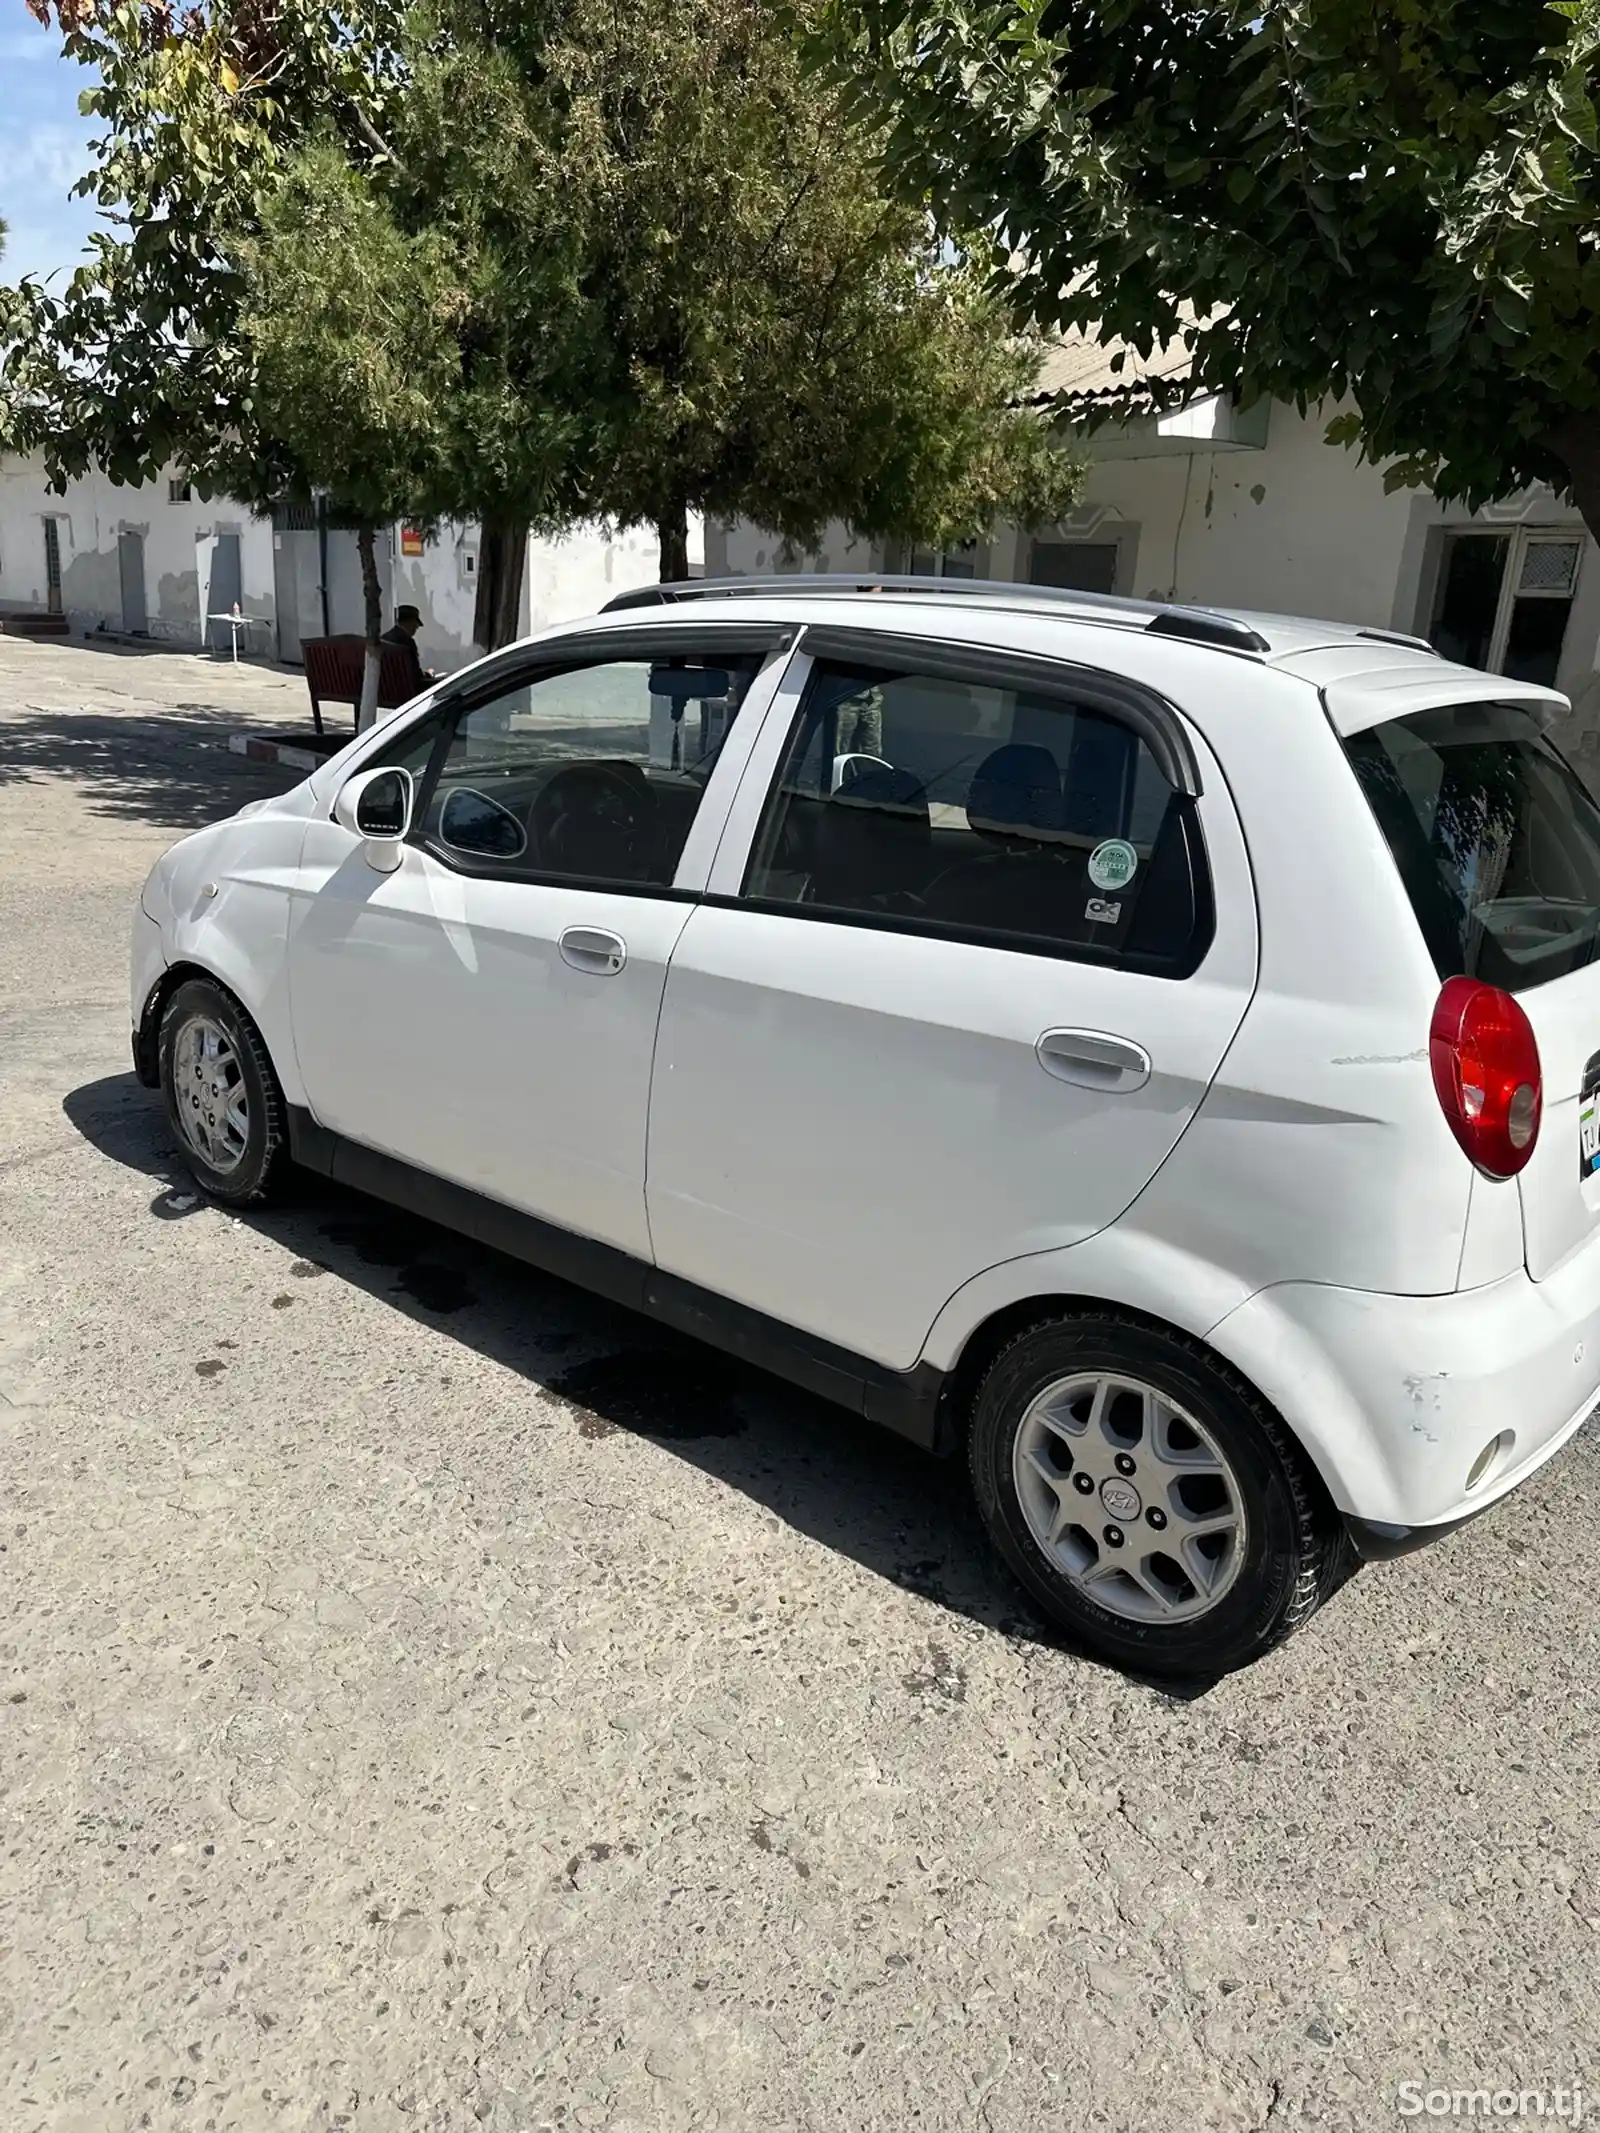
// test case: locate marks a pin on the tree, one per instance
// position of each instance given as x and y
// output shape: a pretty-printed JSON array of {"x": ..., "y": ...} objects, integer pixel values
[
  {"x": 677, "y": 284},
  {"x": 137, "y": 361},
  {"x": 1391, "y": 201},
  {"x": 140, "y": 360},
  {"x": 526, "y": 261}
]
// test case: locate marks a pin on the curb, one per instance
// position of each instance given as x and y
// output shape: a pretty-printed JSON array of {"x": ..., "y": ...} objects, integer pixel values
[{"x": 262, "y": 749}]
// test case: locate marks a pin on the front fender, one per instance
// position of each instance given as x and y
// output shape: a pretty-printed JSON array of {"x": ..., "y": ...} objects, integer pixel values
[{"x": 230, "y": 890}]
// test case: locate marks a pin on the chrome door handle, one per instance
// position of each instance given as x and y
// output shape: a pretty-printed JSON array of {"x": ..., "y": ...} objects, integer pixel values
[
  {"x": 1093, "y": 1060},
  {"x": 593, "y": 950}
]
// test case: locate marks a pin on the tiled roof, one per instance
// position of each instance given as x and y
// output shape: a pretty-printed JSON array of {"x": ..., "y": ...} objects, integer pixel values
[{"x": 1081, "y": 367}]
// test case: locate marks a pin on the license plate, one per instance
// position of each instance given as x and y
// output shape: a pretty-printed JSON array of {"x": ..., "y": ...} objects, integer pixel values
[{"x": 1588, "y": 1130}]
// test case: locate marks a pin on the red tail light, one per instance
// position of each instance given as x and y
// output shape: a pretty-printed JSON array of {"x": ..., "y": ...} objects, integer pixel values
[{"x": 1485, "y": 1063}]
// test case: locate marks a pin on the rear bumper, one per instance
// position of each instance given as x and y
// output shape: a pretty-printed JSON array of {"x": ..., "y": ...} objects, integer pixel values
[
  {"x": 1397, "y": 1398},
  {"x": 1375, "y": 1542}
]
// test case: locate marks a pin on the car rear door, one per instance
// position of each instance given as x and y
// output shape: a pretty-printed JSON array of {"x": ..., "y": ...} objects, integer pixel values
[
  {"x": 945, "y": 1007},
  {"x": 1497, "y": 841}
]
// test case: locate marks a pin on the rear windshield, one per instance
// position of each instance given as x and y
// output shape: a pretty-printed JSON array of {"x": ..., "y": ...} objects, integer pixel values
[{"x": 1496, "y": 839}]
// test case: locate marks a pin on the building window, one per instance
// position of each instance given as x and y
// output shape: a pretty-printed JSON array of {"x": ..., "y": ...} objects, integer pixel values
[
  {"x": 1075, "y": 566},
  {"x": 180, "y": 492},
  {"x": 1504, "y": 598},
  {"x": 958, "y": 562}
]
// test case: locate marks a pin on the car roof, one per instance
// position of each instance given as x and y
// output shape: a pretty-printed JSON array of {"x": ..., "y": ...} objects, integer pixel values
[
  {"x": 965, "y": 600},
  {"x": 1362, "y": 674}
]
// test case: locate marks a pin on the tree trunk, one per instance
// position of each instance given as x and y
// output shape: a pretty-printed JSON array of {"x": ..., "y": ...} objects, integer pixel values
[
  {"x": 672, "y": 530},
  {"x": 367, "y": 710},
  {"x": 1576, "y": 443},
  {"x": 502, "y": 560}
]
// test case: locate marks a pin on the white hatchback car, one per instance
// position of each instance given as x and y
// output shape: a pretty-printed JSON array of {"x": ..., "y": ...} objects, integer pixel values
[{"x": 1153, "y": 1050}]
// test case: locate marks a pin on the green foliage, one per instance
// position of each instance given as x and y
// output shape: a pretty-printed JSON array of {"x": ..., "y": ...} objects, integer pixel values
[
  {"x": 532, "y": 261},
  {"x": 1393, "y": 201},
  {"x": 138, "y": 361},
  {"x": 675, "y": 282}
]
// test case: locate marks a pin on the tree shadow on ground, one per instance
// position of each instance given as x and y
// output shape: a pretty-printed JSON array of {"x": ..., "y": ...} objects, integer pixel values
[
  {"x": 173, "y": 769},
  {"x": 851, "y": 1487}
]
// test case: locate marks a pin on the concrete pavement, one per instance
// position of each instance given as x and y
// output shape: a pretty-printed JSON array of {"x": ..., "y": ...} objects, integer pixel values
[{"x": 429, "y": 1701}]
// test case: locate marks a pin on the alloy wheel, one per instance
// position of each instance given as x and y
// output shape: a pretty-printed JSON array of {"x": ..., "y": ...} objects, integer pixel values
[
  {"x": 209, "y": 1094},
  {"x": 1129, "y": 1497}
]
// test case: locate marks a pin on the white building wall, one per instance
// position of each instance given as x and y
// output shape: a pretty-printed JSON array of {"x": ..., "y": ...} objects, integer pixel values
[
  {"x": 1295, "y": 526},
  {"x": 177, "y": 542},
  {"x": 1292, "y": 525},
  {"x": 565, "y": 578}
]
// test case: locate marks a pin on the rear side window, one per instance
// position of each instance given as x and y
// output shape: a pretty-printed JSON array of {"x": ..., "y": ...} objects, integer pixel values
[
  {"x": 1036, "y": 821},
  {"x": 1495, "y": 837}
]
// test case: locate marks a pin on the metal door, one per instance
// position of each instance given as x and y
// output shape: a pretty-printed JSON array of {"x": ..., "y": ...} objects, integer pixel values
[
  {"x": 130, "y": 567},
  {"x": 52, "y": 566}
]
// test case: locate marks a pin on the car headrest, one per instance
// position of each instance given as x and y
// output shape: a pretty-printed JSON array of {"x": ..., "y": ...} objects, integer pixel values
[
  {"x": 882, "y": 785},
  {"x": 1016, "y": 791}
]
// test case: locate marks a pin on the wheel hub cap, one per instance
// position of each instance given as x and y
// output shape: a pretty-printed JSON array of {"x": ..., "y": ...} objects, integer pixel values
[
  {"x": 1130, "y": 1498},
  {"x": 1120, "y": 1498}
]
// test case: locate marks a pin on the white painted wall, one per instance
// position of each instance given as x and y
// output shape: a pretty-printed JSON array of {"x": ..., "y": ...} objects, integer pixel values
[
  {"x": 565, "y": 579},
  {"x": 1292, "y": 526},
  {"x": 178, "y": 543},
  {"x": 1297, "y": 526}
]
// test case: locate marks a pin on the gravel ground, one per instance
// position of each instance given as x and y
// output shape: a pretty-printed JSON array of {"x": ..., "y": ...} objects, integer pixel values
[{"x": 427, "y": 1701}]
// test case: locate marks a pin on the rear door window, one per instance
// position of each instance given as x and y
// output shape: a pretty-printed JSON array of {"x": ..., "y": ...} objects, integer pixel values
[
  {"x": 1495, "y": 836},
  {"x": 1037, "y": 821}
]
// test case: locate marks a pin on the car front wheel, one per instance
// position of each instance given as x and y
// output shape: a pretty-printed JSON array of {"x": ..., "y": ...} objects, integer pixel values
[
  {"x": 1150, "y": 1502},
  {"x": 222, "y": 1096}
]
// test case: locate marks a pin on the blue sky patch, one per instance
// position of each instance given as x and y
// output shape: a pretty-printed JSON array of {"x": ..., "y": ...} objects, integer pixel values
[{"x": 43, "y": 148}]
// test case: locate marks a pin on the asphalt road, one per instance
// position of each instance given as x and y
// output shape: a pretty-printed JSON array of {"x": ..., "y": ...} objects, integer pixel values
[{"x": 429, "y": 1702}]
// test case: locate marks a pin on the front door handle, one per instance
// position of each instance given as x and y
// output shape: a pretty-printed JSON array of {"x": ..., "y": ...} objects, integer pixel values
[
  {"x": 593, "y": 950},
  {"x": 1092, "y": 1059}
]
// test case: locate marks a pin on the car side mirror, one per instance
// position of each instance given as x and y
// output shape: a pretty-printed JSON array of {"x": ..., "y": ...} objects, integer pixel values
[{"x": 375, "y": 805}]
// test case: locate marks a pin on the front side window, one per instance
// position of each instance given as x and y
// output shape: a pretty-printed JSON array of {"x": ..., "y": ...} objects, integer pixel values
[
  {"x": 1039, "y": 820},
  {"x": 410, "y": 749},
  {"x": 594, "y": 774},
  {"x": 1495, "y": 837}
]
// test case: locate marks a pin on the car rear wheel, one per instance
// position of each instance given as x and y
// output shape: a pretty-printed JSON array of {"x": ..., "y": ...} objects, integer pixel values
[
  {"x": 1151, "y": 1503},
  {"x": 222, "y": 1096}
]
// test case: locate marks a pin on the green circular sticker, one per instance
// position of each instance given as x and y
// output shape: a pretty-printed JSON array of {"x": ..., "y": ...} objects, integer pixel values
[{"x": 1112, "y": 865}]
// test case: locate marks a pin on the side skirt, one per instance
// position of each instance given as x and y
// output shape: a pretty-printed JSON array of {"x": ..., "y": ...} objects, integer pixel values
[{"x": 909, "y": 1402}]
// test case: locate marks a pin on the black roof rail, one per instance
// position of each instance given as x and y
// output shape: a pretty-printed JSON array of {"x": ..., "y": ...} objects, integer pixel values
[
  {"x": 1197, "y": 625},
  {"x": 1414, "y": 644},
  {"x": 798, "y": 584}
]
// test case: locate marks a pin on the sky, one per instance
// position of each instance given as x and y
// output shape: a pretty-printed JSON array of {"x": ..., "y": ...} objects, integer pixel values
[{"x": 43, "y": 148}]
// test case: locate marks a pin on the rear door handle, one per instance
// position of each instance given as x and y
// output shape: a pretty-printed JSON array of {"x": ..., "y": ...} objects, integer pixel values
[
  {"x": 1092, "y": 1059},
  {"x": 593, "y": 950}
]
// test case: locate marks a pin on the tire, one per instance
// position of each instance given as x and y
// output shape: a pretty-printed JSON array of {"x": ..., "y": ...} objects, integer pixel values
[
  {"x": 222, "y": 1097},
  {"x": 1095, "y": 1499}
]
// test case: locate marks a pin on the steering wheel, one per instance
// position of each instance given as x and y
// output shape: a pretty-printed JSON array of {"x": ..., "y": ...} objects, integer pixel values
[{"x": 599, "y": 819}]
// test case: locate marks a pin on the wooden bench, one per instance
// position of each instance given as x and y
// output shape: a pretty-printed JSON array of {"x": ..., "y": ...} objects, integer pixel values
[{"x": 334, "y": 667}]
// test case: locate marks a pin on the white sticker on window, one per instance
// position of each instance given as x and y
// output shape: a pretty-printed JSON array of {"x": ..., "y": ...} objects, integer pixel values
[
  {"x": 1100, "y": 913},
  {"x": 1112, "y": 865}
]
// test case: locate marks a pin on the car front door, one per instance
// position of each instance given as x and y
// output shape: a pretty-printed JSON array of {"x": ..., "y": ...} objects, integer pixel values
[
  {"x": 950, "y": 1001},
  {"x": 487, "y": 1011}
]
